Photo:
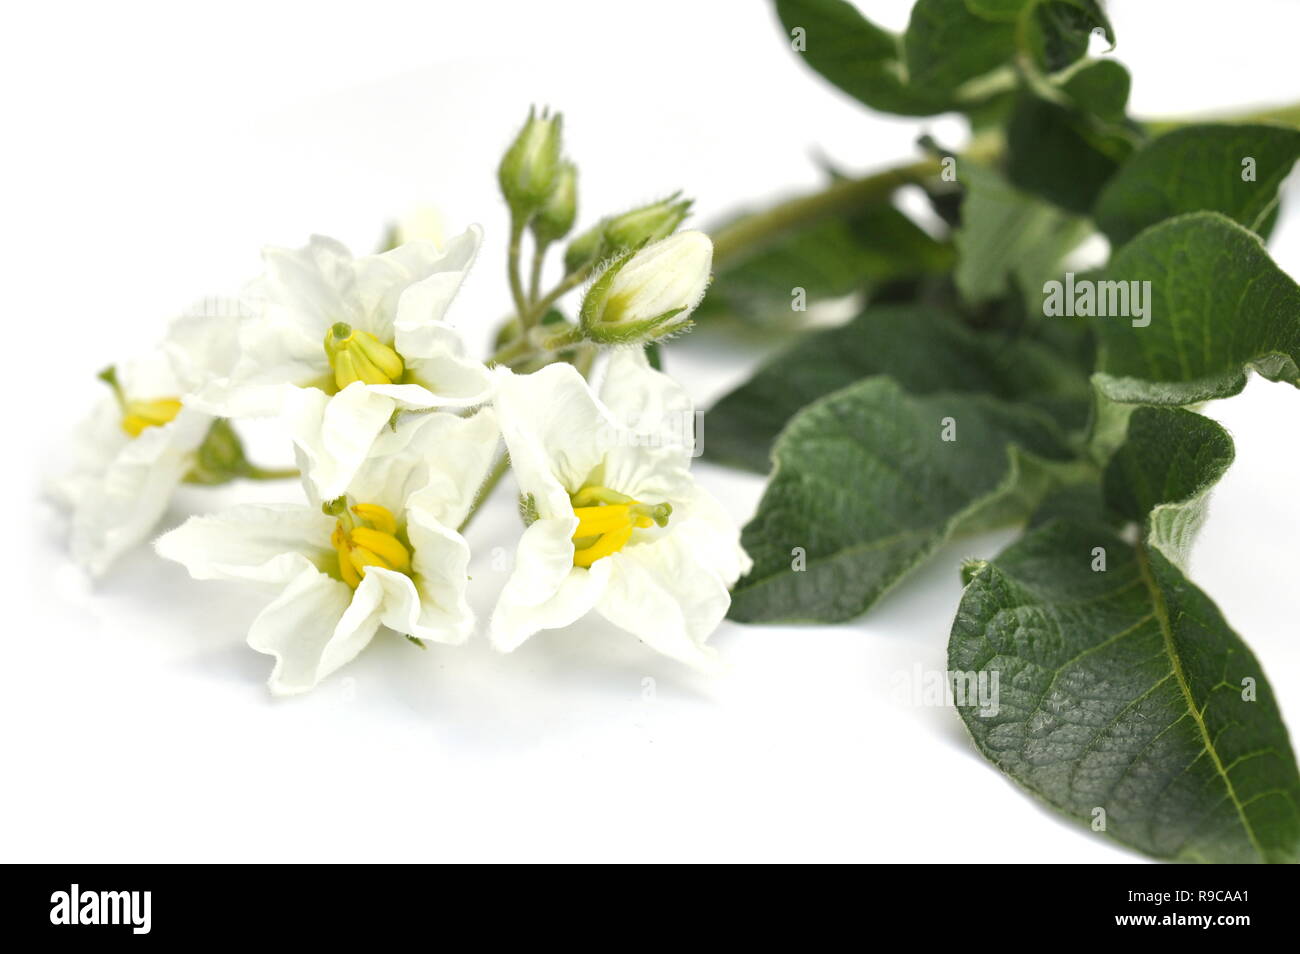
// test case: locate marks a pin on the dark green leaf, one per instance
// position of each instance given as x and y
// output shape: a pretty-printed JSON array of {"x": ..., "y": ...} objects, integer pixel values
[
  {"x": 1218, "y": 306},
  {"x": 1199, "y": 168},
  {"x": 827, "y": 260},
  {"x": 856, "y": 55},
  {"x": 947, "y": 46},
  {"x": 1162, "y": 475},
  {"x": 924, "y": 349},
  {"x": 865, "y": 487},
  {"x": 1008, "y": 236},
  {"x": 1123, "y": 697},
  {"x": 1060, "y": 154}
]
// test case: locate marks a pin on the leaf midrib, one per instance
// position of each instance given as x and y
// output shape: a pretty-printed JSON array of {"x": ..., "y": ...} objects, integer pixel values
[{"x": 1167, "y": 634}]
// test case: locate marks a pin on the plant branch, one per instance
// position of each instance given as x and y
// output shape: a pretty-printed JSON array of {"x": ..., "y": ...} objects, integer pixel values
[
  {"x": 489, "y": 484},
  {"x": 512, "y": 268}
]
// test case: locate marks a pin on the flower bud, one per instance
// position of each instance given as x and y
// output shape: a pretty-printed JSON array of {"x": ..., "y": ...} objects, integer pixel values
[
  {"x": 649, "y": 223},
  {"x": 585, "y": 248},
  {"x": 530, "y": 168},
  {"x": 649, "y": 293},
  {"x": 357, "y": 355},
  {"x": 555, "y": 218}
]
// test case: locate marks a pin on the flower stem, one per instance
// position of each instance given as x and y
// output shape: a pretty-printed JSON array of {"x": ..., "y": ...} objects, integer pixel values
[
  {"x": 512, "y": 268},
  {"x": 535, "y": 278},
  {"x": 750, "y": 233},
  {"x": 271, "y": 473},
  {"x": 489, "y": 484},
  {"x": 567, "y": 284}
]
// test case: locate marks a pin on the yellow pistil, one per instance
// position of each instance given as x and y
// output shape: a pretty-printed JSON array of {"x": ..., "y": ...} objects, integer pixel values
[
  {"x": 364, "y": 536},
  {"x": 356, "y": 355},
  {"x": 138, "y": 416},
  {"x": 606, "y": 520}
]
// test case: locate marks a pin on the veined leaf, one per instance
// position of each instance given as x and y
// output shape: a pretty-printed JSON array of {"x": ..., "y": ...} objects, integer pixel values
[
  {"x": 947, "y": 46},
  {"x": 1234, "y": 169},
  {"x": 859, "y": 57},
  {"x": 1054, "y": 32},
  {"x": 866, "y": 485},
  {"x": 923, "y": 348},
  {"x": 1163, "y": 473},
  {"x": 1008, "y": 236},
  {"x": 827, "y": 260},
  {"x": 1123, "y": 697},
  {"x": 1218, "y": 306}
]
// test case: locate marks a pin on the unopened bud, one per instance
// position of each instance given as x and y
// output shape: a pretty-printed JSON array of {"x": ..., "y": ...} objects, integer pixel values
[
  {"x": 530, "y": 169},
  {"x": 649, "y": 223},
  {"x": 585, "y": 248},
  {"x": 555, "y": 218},
  {"x": 649, "y": 293}
]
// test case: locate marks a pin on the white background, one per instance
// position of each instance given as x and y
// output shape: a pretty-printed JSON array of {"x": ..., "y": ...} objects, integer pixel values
[{"x": 152, "y": 149}]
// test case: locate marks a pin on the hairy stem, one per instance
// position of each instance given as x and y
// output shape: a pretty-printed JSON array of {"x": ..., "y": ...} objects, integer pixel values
[
  {"x": 489, "y": 484},
  {"x": 512, "y": 268}
]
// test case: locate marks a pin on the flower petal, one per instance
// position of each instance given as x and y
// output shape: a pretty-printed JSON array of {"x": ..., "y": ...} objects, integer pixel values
[
  {"x": 458, "y": 453},
  {"x": 442, "y": 380},
  {"x": 307, "y": 629},
  {"x": 663, "y": 594},
  {"x": 545, "y": 591},
  {"x": 555, "y": 430},
  {"x": 418, "y": 313},
  {"x": 118, "y": 507},
  {"x": 334, "y": 434},
  {"x": 266, "y": 543},
  {"x": 432, "y": 605}
]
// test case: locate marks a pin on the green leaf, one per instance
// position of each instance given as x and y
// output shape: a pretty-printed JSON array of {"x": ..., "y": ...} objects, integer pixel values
[
  {"x": 1199, "y": 168},
  {"x": 1217, "y": 307},
  {"x": 1058, "y": 154},
  {"x": 1009, "y": 237},
  {"x": 1054, "y": 32},
  {"x": 865, "y": 487},
  {"x": 1123, "y": 697},
  {"x": 1100, "y": 88},
  {"x": 1162, "y": 475},
  {"x": 947, "y": 46},
  {"x": 827, "y": 260},
  {"x": 854, "y": 54},
  {"x": 1067, "y": 145},
  {"x": 923, "y": 348}
]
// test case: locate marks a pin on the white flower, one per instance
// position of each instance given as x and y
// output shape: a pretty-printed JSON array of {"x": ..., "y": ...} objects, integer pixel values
[
  {"x": 139, "y": 443},
  {"x": 654, "y": 554},
  {"x": 385, "y": 554},
  {"x": 650, "y": 293},
  {"x": 338, "y": 344}
]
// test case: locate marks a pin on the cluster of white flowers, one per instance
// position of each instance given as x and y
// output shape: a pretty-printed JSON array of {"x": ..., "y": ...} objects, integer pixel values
[{"x": 397, "y": 434}]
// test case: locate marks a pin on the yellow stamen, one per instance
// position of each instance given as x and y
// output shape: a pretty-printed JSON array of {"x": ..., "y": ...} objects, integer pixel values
[
  {"x": 606, "y": 520},
  {"x": 381, "y": 518},
  {"x": 356, "y": 355},
  {"x": 384, "y": 546},
  {"x": 364, "y": 536},
  {"x": 138, "y": 416}
]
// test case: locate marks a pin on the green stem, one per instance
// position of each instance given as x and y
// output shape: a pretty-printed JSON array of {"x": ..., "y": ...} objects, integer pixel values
[
  {"x": 1287, "y": 115},
  {"x": 270, "y": 473},
  {"x": 749, "y": 234},
  {"x": 567, "y": 284},
  {"x": 512, "y": 351},
  {"x": 512, "y": 268},
  {"x": 535, "y": 277},
  {"x": 493, "y": 478}
]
